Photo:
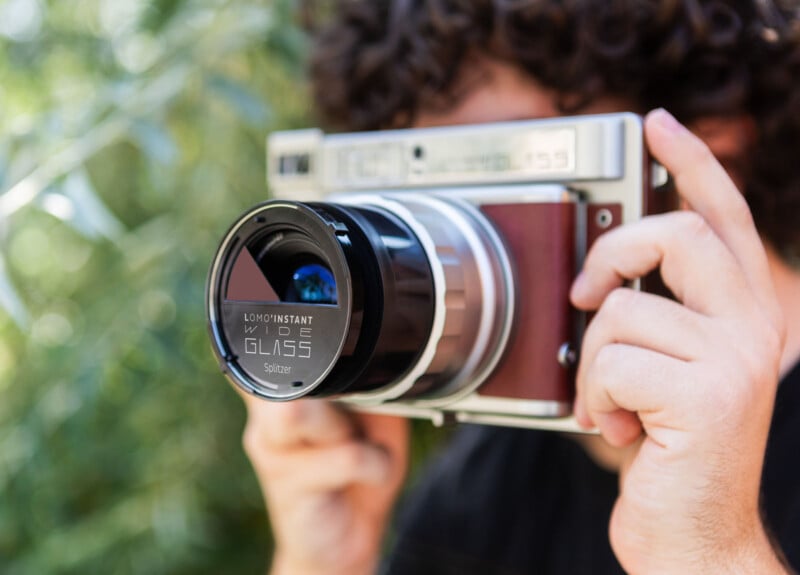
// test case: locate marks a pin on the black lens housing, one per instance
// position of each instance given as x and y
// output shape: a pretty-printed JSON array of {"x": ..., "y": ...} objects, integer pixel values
[{"x": 281, "y": 350}]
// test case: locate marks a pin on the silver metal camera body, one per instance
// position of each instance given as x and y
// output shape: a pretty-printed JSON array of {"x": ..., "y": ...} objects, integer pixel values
[{"x": 479, "y": 231}]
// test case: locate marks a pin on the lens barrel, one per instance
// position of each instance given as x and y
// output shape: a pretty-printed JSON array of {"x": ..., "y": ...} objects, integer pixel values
[
  {"x": 372, "y": 298},
  {"x": 357, "y": 325}
]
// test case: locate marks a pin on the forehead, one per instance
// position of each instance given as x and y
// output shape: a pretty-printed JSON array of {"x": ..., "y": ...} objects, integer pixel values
[{"x": 494, "y": 91}]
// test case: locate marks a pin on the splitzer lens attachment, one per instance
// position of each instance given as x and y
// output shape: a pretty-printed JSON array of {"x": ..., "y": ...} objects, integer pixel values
[{"x": 297, "y": 299}]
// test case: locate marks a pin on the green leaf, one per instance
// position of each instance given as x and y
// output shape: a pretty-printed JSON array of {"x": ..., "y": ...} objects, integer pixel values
[
  {"x": 159, "y": 14},
  {"x": 123, "y": 441},
  {"x": 154, "y": 141},
  {"x": 240, "y": 99},
  {"x": 10, "y": 301},
  {"x": 90, "y": 216}
]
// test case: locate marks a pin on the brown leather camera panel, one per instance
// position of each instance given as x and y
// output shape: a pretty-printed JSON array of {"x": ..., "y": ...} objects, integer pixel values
[{"x": 540, "y": 239}]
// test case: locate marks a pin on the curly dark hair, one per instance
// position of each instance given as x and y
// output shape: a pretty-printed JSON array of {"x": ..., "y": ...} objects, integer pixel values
[{"x": 376, "y": 63}]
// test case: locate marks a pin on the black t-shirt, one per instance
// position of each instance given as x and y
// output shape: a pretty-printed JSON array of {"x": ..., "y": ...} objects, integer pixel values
[{"x": 511, "y": 501}]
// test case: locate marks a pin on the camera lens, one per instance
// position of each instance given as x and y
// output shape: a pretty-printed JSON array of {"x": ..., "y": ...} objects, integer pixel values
[
  {"x": 312, "y": 283},
  {"x": 316, "y": 299},
  {"x": 375, "y": 299}
]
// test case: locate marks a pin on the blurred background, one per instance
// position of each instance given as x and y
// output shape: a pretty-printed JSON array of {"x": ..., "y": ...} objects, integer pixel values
[{"x": 131, "y": 136}]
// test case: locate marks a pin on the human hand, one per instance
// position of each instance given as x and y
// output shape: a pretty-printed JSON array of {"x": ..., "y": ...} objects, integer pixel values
[
  {"x": 329, "y": 478},
  {"x": 689, "y": 384}
]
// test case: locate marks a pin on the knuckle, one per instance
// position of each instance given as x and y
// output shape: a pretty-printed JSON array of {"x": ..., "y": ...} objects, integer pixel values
[
  {"x": 751, "y": 368},
  {"x": 692, "y": 225},
  {"x": 605, "y": 360},
  {"x": 618, "y": 302},
  {"x": 597, "y": 374},
  {"x": 288, "y": 416},
  {"x": 608, "y": 364}
]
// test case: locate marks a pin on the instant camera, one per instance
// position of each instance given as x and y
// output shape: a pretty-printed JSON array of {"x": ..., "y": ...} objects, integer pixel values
[{"x": 426, "y": 272}]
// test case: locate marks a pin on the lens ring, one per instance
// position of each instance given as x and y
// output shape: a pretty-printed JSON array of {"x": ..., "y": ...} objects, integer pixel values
[{"x": 465, "y": 357}]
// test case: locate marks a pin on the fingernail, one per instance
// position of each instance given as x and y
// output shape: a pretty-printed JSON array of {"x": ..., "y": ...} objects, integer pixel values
[{"x": 667, "y": 121}]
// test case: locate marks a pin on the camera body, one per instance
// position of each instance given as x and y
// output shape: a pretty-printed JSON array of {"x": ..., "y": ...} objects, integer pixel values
[{"x": 474, "y": 234}]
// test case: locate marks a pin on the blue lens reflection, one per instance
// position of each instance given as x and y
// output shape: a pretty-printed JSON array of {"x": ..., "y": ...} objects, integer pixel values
[{"x": 313, "y": 283}]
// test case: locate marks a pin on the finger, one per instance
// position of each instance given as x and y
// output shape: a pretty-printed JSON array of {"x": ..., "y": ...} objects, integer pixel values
[
  {"x": 643, "y": 320},
  {"x": 298, "y": 423},
  {"x": 625, "y": 378},
  {"x": 649, "y": 321},
  {"x": 388, "y": 432},
  {"x": 630, "y": 317},
  {"x": 619, "y": 428},
  {"x": 705, "y": 185},
  {"x": 693, "y": 263},
  {"x": 580, "y": 413},
  {"x": 323, "y": 469}
]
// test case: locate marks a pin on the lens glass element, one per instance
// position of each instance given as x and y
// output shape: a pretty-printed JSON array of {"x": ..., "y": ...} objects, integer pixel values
[
  {"x": 312, "y": 283},
  {"x": 282, "y": 267}
]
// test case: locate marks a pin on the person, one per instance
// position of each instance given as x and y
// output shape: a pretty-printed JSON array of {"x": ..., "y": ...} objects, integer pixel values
[{"x": 683, "y": 392}]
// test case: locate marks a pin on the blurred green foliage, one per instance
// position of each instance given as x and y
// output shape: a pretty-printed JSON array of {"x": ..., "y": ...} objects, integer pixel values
[{"x": 132, "y": 134}]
